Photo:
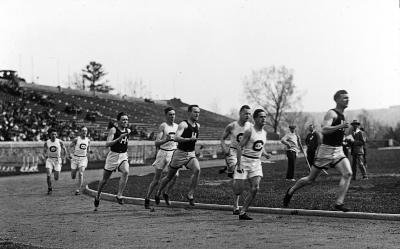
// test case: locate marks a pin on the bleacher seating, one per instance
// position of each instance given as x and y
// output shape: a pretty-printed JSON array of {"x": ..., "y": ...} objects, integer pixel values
[{"x": 143, "y": 115}]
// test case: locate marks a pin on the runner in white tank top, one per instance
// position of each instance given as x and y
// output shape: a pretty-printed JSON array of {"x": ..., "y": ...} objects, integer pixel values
[
  {"x": 249, "y": 163},
  {"x": 234, "y": 131},
  {"x": 79, "y": 148},
  {"x": 52, "y": 152},
  {"x": 166, "y": 144}
]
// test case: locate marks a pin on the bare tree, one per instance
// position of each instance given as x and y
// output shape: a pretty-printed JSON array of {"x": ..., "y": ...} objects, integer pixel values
[{"x": 273, "y": 89}]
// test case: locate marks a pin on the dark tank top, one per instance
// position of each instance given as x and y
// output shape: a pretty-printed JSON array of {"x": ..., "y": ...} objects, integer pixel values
[
  {"x": 122, "y": 145},
  {"x": 335, "y": 138},
  {"x": 187, "y": 133}
]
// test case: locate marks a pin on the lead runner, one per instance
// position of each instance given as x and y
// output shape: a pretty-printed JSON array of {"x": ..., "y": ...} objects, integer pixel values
[{"x": 330, "y": 152}]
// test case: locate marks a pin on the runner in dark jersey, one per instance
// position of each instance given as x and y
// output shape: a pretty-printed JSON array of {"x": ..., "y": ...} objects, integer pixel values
[
  {"x": 330, "y": 152},
  {"x": 117, "y": 157},
  {"x": 185, "y": 155}
]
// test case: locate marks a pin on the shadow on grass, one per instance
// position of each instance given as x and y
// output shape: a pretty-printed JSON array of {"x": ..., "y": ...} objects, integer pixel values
[{"x": 379, "y": 194}]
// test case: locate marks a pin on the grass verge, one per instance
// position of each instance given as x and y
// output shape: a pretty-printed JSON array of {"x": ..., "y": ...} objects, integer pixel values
[{"x": 378, "y": 194}]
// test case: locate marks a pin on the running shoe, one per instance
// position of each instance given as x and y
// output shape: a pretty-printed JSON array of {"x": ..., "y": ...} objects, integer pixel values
[
  {"x": 341, "y": 207},
  {"x": 287, "y": 198},
  {"x": 236, "y": 212},
  {"x": 191, "y": 200},
  {"x": 147, "y": 203},
  {"x": 244, "y": 216},
  {"x": 157, "y": 199},
  {"x": 96, "y": 202},
  {"x": 119, "y": 200},
  {"x": 166, "y": 199},
  {"x": 49, "y": 191},
  {"x": 77, "y": 192}
]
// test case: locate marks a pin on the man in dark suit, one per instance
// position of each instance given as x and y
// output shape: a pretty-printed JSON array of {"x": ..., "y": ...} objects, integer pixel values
[
  {"x": 313, "y": 140},
  {"x": 357, "y": 150}
]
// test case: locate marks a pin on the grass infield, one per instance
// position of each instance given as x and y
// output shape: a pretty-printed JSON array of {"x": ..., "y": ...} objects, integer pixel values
[{"x": 378, "y": 194}]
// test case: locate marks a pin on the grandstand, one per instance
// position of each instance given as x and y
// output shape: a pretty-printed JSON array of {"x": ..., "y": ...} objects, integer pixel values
[{"x": 74, "y": 108}]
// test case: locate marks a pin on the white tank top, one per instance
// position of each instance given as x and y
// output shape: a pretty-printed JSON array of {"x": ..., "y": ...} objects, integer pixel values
[
  {"x": 171, "y": 130},
  {"x": 237, "y": 133},
  {"x": 253, "y": 148},
  {"x": 53, "y": 148},
  {"x": 81, "y": 146}
]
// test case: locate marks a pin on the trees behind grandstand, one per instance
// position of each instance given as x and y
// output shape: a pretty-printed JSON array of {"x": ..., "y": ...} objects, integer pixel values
[
  {"x": 273, "y": 89},
  {"x": 94, "y": 72}
]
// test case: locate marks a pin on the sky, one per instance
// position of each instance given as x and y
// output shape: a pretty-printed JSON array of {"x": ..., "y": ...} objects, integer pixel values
[{"x": 201, "y": 51}]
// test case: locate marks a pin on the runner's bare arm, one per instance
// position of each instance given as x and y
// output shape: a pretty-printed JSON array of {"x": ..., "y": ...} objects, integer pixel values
[
  {"x": 64, "y": 149},
  {"x": 159, "y": 141},
  {"x": 225, "y": 135},
  {"x": 72, "y": 145},
  {"x": 243, "y": 142}
]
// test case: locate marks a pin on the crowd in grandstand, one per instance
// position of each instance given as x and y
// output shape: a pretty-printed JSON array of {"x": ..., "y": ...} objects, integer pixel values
[{"x": 18, "y": 122}]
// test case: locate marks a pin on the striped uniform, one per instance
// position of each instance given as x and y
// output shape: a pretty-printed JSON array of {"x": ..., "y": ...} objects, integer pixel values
[
  {"x": 235, "y": 137},
  {"x": 79, "y": 158},
  {"x": 251, "y": 153},
  {"x": 164, "y": 154},
  {"x": 53, "y": 161}
]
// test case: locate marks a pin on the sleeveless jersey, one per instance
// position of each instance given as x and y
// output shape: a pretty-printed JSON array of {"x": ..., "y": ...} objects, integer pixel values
[
  {"x": 335, "y": 138},
  {"x": 53, "y": 148},
  {"x": 122, "y": 145},
  {"x": 169, "y": 130},
  {"x": 237, "y": 133},
  {"x": 188, "y": 132},
  {"x": 254, "y": 146},
  {"x": 81, "y": 146}
]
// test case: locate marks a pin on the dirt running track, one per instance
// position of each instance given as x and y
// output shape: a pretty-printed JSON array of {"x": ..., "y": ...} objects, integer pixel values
[{"x": 63, "y": 220}]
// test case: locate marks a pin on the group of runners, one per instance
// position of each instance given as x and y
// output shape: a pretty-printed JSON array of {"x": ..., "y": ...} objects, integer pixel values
[{"x": 176, "y": 149}]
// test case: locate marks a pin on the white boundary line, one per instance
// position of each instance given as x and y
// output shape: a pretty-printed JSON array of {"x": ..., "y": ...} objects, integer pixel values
[{"x": 265, "y": 210}]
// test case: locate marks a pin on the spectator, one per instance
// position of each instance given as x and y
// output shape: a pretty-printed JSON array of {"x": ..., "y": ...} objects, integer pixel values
[
  {"x": 313, "y": 140},
  {"x": 292, "y": 141},
  {"x": 357, "y": 150}
]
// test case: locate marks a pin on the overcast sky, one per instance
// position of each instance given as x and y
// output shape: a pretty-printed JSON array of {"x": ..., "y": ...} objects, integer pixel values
[{"x": 200, "y": 51}]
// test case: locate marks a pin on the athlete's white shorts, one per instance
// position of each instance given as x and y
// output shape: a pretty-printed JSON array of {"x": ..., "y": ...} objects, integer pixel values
[
  {"x": 328, "y": 156},
  {"x": 114, "y": 160},
  {"x": 251, "y": 167},
  {"x": 79, "y": 162},
  {"x": 163, "y": 158},
  {"x": 54, "y": 163}
]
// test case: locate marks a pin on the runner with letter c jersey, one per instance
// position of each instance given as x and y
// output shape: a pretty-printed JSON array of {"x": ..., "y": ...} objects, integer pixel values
[
  {"x": 79, "y": 161},
  {"x": 166, "y": 144}
]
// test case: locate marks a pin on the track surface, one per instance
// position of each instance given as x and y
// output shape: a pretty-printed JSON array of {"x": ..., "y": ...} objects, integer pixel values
[{"x": 64, "y": 220}]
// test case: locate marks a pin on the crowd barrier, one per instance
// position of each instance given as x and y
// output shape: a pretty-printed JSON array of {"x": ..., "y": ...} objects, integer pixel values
[{"x": 27, "y": 157}]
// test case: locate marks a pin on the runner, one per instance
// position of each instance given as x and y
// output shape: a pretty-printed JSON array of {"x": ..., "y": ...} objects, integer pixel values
[{"x": 166, "y": 144}]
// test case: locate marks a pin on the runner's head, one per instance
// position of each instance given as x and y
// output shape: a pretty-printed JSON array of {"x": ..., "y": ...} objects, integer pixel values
[
  {"x": 169, "y": 114},
  {"x": 84, "y": 131},
  {"x": 52, "y": 133},
  {"x": 260, "y": 117},
  {"x": 122, "y": 119},
  {"x": 341, "y": 98},
  {"x": 194, "y": 112},
  {"x": 244, "y": 113}
]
